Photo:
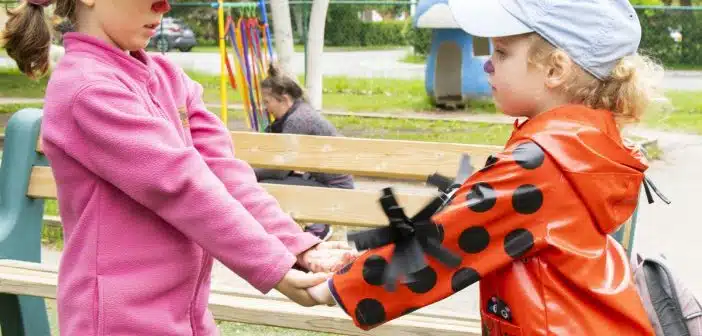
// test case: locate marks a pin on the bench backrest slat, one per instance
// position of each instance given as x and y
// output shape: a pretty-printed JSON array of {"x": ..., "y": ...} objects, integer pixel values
[
  {"x": 395, "y": 159},
  {"x": 305, "y": 204}
]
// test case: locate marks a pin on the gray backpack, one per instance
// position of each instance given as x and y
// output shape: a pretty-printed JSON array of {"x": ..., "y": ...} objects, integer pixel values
[{"x": 670, "y": 305}]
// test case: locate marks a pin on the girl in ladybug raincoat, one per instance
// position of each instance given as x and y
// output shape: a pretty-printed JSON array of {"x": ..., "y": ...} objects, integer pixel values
[{"x": 533, "y": 226}]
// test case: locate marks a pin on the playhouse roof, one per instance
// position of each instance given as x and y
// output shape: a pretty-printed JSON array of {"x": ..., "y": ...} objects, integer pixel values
[{"x": 434, "y": 14}]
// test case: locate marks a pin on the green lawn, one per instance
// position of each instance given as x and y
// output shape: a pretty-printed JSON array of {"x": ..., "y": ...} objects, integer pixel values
[
  {"x": 15, "y": 84},
  {"x": 684, "y": 67},
  {"x": 684, "y": 114},
  {"x": 413, "y": 58},
  {"x": 383, "y": 95},
  {"x": 12, "y": 108},
  {"x": 340, "y": 93}
]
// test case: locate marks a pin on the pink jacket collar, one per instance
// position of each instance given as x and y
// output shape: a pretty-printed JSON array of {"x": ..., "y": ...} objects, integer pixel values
[{"x": 137, "y": 64}]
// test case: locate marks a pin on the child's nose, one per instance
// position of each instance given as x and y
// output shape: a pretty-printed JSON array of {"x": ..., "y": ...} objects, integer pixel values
[
  {"x": 161, "y": 7},
  {"x": 488, "y": 67}
]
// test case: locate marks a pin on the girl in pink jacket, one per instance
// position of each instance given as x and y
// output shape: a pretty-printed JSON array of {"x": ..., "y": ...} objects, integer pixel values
[{"x": 148, "y": 186}]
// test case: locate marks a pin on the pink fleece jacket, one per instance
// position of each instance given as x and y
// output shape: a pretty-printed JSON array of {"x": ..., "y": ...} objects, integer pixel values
[{"x": 149, "y": 192}]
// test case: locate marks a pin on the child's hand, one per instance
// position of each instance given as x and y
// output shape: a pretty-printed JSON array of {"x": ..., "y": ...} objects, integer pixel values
[
  {"x": 327, "y": 256},
  {"x": 296, "y": 283},
  {"x": 322, "y": 294}
]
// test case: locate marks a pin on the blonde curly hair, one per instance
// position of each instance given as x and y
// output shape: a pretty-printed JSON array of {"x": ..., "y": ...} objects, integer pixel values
[{"x": 627, "y": 92}]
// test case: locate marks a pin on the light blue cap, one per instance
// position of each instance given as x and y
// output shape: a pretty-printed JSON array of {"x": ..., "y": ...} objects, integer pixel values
[{"x": 596, "y": 34}]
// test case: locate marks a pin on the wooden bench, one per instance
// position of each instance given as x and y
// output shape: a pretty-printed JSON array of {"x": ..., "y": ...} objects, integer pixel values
[{"x": 26, "y": 181}]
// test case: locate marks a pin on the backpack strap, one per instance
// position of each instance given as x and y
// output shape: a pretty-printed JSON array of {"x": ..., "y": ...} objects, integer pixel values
[{"x": 659, "y": 295}]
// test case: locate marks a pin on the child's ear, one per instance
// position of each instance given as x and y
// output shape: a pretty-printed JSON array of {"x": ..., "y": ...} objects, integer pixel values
[{"x": 560, "y": 67}]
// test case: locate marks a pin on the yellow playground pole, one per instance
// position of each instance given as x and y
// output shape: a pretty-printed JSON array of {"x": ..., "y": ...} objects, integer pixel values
[{"x": 223, "y": 70}]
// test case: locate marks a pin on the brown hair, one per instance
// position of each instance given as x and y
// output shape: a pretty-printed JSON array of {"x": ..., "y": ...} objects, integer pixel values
[
  {"x": 27, "y": 35},
  {"x": 627, "y": 92},
  {"x": 281, "y": 85}
]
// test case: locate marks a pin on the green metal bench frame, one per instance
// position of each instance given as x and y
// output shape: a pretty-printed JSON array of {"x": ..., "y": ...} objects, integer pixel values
[{"x": 21, "y": 221}]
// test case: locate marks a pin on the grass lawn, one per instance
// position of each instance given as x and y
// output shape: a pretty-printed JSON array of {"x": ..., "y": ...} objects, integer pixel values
[
  {"x": 12, "y": 108},
  {"x": 347, "y": 94},
  {"x": 685, "y": 67},
  {"x": 15, "y": 84},
  {"x": 413, "y": 58},
  {"x": 385, "y": 95},
  {"x": 685, "y": 113},
  {"x": 340, "y": 93}
]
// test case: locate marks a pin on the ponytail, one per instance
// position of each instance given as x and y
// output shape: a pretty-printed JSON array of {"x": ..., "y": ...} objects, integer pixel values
[
  {"x": 281, "y": 85},
  {"x": 27, "y": 39}
]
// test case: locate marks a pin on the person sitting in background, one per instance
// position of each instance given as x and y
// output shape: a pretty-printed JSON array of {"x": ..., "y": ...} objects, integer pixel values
[{"x": 285, "y": 100}]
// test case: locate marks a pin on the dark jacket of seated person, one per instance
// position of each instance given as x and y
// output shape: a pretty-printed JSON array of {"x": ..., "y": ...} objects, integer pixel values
[{"x": 284, "y": 99}]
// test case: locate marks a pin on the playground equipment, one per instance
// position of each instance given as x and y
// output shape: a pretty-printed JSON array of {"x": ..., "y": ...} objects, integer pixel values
[
  {"x": 252, "y": 52},
  {"x": 251, "y": 56},
  {"x": 451, "y": 49}
]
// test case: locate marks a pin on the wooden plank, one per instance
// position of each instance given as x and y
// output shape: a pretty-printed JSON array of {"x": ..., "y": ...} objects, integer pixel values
[
  {"x": 19, "y": 266},
  {"x": 42, "y": 183},
  {"x": 327, "y": 319},
  {"x": 396, "y": 159},
  {"x": 23, "y": 278},
  {"x": 305, "y": 204}
]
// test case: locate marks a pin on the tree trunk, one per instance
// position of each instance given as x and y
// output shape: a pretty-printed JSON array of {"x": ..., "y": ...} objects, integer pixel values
[
  {"x": 315, "y": 50},
  {"x": 298, "y": 20},
  {"x": 282, "y": 30}
]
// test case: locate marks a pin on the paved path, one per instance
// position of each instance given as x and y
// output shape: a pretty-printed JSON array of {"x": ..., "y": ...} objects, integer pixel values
[
  {"x": 368, "y": 64},
  {"x": 675, "y": 229}
]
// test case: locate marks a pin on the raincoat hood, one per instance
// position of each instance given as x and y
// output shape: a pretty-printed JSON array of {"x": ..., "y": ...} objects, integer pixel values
[{"x": 586, "y": 144}]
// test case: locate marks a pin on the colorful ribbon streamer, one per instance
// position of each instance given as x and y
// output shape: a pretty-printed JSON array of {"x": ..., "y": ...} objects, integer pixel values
[{"x": 251, "y": 57}]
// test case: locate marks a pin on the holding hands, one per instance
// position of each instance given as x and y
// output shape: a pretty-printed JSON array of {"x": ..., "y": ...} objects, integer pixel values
[
  {"x": 327, "y": 257},
  {"x": 322, "y": 261}
]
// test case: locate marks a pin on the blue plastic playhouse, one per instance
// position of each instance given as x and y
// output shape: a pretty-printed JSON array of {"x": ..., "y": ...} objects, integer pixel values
[{"x": 454, "y": 72}]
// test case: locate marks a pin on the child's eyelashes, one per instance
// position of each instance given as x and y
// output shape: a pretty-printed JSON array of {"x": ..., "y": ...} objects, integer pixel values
[{"x": 500, "y": 53}]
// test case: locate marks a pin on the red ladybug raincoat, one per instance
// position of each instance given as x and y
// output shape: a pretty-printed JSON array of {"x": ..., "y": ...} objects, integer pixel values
[{"x": 533, "y": 226}]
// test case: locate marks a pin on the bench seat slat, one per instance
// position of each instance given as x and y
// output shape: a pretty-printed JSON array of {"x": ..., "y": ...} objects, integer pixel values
[{"x": 25, "y": 278}]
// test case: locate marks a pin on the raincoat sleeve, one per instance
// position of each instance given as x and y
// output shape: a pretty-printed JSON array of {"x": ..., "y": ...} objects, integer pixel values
[
  {"x": 213, "y": 141},
  {"x": 495, "y": 218}
]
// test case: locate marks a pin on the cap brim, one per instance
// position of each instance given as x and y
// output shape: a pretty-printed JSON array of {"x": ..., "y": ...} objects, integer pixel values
[{"x": 486, "y": 18}]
